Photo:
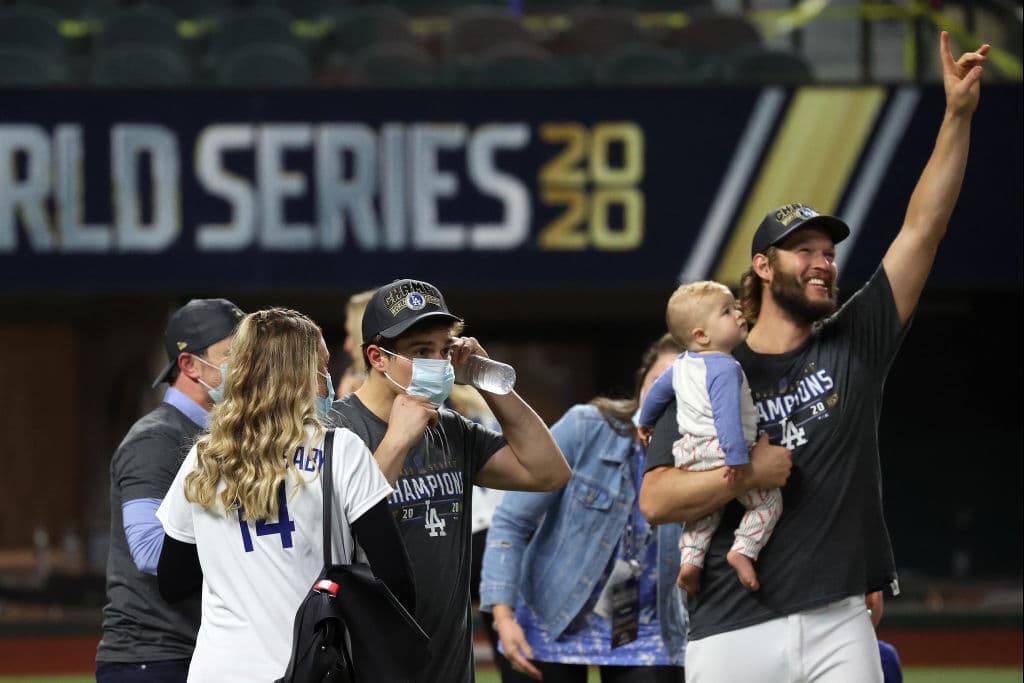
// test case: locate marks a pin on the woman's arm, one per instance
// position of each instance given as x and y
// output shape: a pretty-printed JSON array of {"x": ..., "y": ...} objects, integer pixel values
[
  {"x": 517, "y": 649},
  {"x": 377, "y": 534},
  {"x": 516, "y": 519},
  {"x": 178, "y": 572}
]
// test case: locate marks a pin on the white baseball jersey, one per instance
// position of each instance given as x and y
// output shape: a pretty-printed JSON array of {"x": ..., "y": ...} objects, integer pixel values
[{"x": 255, "y": 574}]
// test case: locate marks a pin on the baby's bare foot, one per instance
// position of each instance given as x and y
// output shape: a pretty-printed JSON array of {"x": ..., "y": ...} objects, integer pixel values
[
  {"x": 744, "y": 567},
  {"x": 689, "y": 578}
]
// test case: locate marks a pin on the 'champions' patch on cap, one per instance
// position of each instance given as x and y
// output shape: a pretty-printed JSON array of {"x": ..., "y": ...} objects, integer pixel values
[{"x": 414, "y": 296}]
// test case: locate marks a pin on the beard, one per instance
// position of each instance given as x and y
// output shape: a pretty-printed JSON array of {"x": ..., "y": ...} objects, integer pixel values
[{"x": 789, "y": 294}]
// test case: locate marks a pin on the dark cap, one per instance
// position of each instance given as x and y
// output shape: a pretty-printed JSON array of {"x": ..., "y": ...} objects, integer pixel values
[
  {"x": 396, "y": 307},
  {"x": 197, "y": 325},
  {"x": 785, "y": 220}
]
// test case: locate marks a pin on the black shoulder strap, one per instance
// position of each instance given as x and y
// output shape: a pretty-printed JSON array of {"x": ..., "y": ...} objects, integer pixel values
[{"x": 327, "y": 483}]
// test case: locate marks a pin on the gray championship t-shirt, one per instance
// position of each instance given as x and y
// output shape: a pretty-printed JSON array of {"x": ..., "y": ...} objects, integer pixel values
[
  {"x": 138, "y": 624},
  {"x": 432, "y": 506},
  {"x": 823, "y": 401}
]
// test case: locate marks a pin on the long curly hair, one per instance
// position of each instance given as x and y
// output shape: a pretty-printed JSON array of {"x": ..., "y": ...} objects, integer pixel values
[
  {"x": 752, "y": 288},
  {"x": 269, "y": 402}
]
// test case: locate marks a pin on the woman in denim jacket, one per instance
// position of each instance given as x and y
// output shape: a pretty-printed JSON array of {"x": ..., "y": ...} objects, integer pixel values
[{"x": 559, "y": 564}]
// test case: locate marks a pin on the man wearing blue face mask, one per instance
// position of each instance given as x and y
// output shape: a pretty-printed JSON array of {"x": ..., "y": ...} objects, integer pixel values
[
  {"x": 143, "y": 636},
  {"x": 432, "y": 456}
]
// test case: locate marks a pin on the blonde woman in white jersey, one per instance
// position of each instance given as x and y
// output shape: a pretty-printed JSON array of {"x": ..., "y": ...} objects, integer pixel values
[{"x": 243, "y": 516}]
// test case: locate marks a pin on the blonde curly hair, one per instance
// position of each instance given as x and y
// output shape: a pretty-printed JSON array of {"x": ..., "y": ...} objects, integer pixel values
[{"x": 269, "y": 402}]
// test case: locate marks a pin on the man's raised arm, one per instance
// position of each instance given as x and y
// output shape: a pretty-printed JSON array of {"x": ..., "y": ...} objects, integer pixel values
[
  {"x": 910, "y": 256},
  {"x": 532, "y": 460}
]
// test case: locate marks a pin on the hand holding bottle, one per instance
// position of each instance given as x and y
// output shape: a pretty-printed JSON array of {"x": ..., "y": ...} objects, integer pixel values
[{"x": 474, "y": 367}]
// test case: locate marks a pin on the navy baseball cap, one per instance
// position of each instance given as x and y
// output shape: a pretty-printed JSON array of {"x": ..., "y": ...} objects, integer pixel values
[
  {"x": 785, "y": 220},
  {"x": 195, "y": 326},
  {"x": 396, "y": 307}
]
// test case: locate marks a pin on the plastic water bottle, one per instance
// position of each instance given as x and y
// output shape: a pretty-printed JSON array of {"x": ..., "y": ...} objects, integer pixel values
[{"x": 486, "y": 375}]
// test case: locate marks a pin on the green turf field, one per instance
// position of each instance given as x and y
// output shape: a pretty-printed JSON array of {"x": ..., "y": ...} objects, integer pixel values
[{"x": 910, "y": 675}]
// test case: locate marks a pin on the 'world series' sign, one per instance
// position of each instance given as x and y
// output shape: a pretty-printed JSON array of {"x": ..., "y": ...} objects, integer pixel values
[{"x": 115, "y": 190}]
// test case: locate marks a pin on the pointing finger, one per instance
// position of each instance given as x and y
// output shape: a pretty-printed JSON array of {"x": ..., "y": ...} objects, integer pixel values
[{"x": 947, "y": 57}]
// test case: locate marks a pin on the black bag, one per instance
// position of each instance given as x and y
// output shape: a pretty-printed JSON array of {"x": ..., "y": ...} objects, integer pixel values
[{"x": 351, "y": 628}]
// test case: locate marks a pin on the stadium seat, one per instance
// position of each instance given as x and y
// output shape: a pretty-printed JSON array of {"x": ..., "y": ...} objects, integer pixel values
[
  {"x": 503, "y": 50},
  {"x": 265, "y": 64},
  {"x": 764, "y": 66},
  {"x": 139, "y": 65},
  {"x": 65, "y": 9},
  {"x": 641, "y": 64},
  {"x": 238, "y": 27},
  {"x": 596, "y": 31},
  {"x": 192, "y": 9},
  {"x": 437, "y": 7},
  {"x": 20, "y": 65},
  {"x": 393, "y": 64},
  {"x": 332, "y": 71},
  {"x": 141, "y": 25},
  {"x": 475, "y": 29},
  {"x": 312, "y": 10},
  {"x": 523, "y": 64},
  {"x": 459, "y": 72},
  {"x": 712, "y": 34},
  {"x": 663, "y": 5},
  {"x": 357, "y": 28},
  {"x": 33, "y": 27}
]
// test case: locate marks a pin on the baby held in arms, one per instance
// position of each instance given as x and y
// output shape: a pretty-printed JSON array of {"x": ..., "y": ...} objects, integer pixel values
[{"x": 717, "y": 422}]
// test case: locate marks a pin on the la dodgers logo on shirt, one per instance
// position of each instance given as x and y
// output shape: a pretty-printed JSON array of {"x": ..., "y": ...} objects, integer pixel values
[
  {"x": 784, "y": 412},
  {"x": 428, "y": 499}
]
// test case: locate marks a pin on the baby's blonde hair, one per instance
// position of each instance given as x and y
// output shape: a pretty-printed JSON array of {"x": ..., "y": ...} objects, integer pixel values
[{"x": 688, "y": 308}]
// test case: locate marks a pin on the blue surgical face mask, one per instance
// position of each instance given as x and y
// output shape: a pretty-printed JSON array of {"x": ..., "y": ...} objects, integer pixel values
[
  {"x": 432, "y": 378},
  {"x": 324, "y": 403},
  {"x": 216, "y": 393}
]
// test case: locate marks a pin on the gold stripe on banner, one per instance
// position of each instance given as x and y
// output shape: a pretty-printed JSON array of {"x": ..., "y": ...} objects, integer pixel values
[{"x": 814, "y": 153}]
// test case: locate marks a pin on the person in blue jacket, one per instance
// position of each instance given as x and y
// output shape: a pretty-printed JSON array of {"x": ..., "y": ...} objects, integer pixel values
[{"x": 576, "y": 577}]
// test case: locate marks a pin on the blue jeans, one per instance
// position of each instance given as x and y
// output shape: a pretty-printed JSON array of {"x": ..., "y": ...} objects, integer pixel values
[{"x": 167, "y": 671}]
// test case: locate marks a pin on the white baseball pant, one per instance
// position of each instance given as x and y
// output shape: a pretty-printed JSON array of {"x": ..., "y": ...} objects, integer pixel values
[{"x": 831, "y": 644}]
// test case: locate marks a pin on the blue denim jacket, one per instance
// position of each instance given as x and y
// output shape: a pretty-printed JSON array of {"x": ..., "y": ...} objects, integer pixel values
[{"x": 549, "y": 550}]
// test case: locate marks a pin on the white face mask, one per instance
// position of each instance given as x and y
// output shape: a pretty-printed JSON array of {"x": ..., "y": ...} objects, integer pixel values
[{"x": 432, "y": 378}]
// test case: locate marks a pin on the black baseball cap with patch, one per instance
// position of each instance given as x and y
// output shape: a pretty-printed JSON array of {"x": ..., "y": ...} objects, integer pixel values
[
  {"x": 396, "y": 307},
  {"x": 195, "y": 326},
  {"x": 785, "y": 220}
]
